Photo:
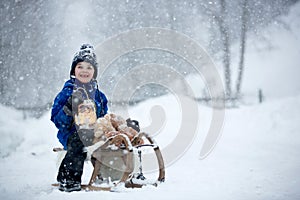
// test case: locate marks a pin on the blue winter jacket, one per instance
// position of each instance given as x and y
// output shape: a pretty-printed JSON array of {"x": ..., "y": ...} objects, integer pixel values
[{"x": 64, "y": 122}]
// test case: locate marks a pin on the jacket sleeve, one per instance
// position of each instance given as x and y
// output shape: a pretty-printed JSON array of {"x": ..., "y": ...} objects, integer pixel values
[
  {"x": 102, "y": 106},
  {"x": 105, "y": 108},
  {"x": 61, "y": 120}
]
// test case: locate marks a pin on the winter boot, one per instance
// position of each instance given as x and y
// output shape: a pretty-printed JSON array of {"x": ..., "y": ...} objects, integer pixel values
[{"x": 69, "y": 187}]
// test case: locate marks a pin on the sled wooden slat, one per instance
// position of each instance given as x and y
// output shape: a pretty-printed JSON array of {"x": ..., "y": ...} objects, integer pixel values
[
  {"x": 161, "y": 165},
  {"x": 88, "y": 187}
]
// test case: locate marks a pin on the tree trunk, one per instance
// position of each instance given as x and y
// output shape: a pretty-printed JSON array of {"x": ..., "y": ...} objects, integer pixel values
[
  {"x": 226, "y": 48},
  {"x": 243, "y": 47}
]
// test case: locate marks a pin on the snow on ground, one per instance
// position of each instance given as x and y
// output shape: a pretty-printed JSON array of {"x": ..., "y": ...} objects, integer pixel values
[{"x": 257, "y": 157}]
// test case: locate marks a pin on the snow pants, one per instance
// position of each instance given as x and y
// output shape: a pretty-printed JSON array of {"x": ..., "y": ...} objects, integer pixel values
[{"x": 71, "y": 167}]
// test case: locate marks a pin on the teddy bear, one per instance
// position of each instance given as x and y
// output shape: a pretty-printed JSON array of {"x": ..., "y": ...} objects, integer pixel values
[
  {"x": 111, "y": 125},
  {"x": 103, "y": 126}
]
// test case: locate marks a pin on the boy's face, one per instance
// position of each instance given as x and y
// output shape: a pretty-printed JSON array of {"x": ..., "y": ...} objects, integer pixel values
[{"x": 84, "y": 72}]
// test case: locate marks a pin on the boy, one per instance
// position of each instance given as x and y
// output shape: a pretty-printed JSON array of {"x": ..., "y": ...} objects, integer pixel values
[{"x": 83, "y": 74}]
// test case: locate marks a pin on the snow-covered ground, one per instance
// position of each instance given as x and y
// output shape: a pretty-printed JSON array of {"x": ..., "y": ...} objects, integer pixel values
[{"x": 257, "y": 156}]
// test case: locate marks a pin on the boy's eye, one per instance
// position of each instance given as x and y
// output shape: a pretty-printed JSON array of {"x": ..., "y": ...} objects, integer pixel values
[{"x": 87, "y": 67}]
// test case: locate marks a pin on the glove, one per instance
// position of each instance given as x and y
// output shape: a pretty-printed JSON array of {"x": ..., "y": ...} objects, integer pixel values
[{"x": 72, "y": 103}]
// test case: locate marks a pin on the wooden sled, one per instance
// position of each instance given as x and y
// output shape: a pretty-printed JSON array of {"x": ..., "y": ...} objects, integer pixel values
[{"x": 114, "y": 163}]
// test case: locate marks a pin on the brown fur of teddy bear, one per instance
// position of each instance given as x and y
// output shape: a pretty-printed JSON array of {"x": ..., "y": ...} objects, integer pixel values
[{"x": 112, "y": 125}]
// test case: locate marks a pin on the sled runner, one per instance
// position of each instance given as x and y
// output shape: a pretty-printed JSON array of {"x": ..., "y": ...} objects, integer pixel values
[{"x": 116, "y": 156}]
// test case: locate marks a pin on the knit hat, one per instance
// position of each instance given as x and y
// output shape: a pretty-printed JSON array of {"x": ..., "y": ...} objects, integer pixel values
[{"x": 85, "y": 54}]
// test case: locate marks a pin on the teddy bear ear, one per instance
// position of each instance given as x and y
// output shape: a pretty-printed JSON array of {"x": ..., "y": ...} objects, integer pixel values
[{"x": 133, "y": 124}]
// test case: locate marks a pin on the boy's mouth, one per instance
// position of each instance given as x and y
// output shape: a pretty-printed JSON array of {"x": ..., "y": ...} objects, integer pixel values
[{"x": 84, "y": 75}]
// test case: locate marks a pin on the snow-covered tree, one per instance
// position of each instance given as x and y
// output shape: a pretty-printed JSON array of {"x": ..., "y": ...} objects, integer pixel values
[{"x": 39, "y": 38}]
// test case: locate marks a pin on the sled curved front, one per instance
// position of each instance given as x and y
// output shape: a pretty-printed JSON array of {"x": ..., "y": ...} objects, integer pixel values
[
  {"x": 161, "y": 176},
  {"x": 160, "y": 160}
]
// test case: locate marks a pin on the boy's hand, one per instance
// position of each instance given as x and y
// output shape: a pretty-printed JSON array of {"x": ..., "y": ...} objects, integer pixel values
[{"x": 72, "y": 104}]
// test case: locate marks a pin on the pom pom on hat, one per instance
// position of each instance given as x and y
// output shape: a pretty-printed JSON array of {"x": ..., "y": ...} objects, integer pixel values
[{"x": 85, "y": 54}]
